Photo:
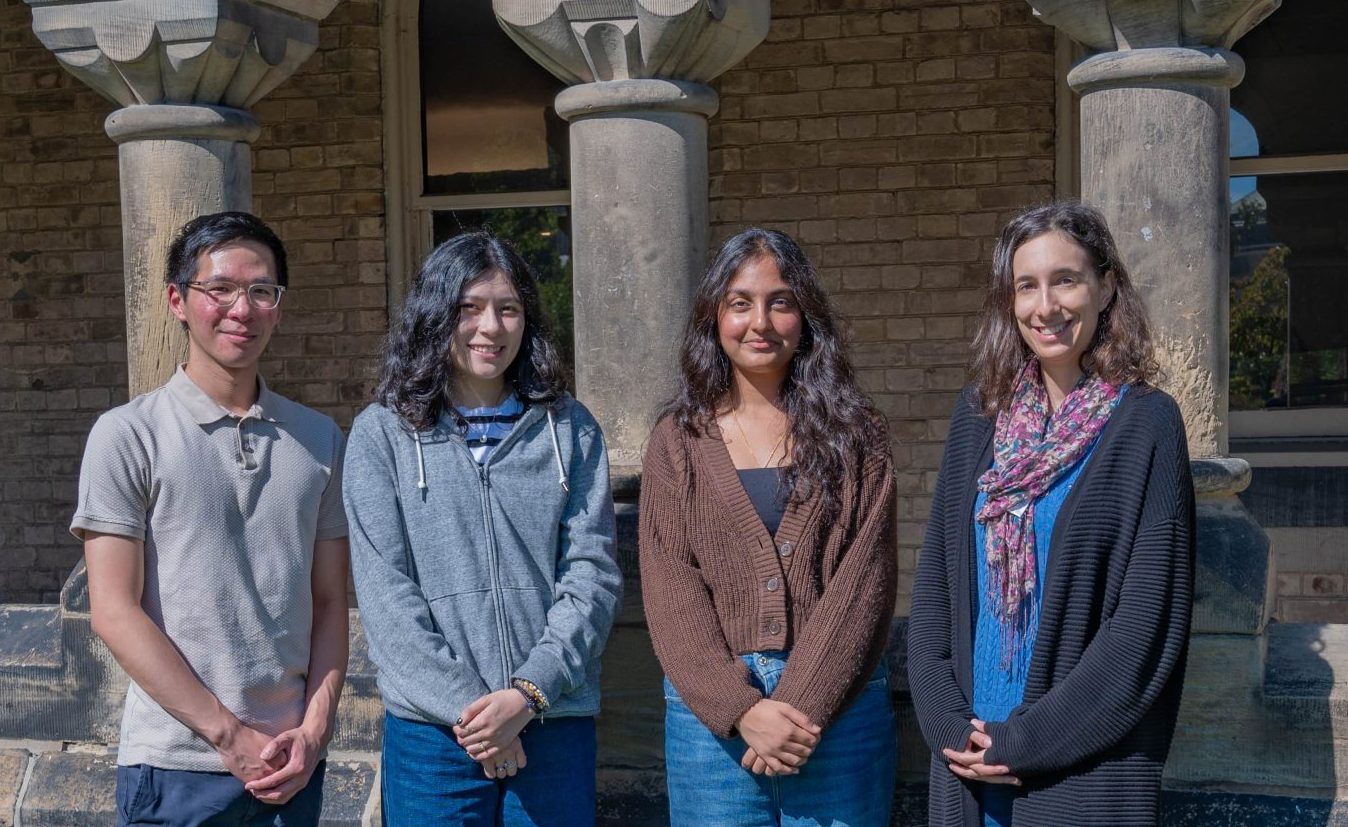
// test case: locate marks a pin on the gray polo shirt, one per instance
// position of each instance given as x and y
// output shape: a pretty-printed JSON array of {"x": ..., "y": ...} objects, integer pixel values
[{"x": 229, "y": 508}]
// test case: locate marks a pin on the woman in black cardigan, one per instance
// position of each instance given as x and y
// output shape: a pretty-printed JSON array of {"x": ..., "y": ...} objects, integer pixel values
[{"x": 1051, "y": 609}]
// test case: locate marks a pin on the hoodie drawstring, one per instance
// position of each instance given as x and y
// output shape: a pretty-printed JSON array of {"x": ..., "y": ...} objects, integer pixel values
[
  {"x": 421, "y": 462},
  {"x": 557, "y": 450},
  {"x": 556, "y": 453}
]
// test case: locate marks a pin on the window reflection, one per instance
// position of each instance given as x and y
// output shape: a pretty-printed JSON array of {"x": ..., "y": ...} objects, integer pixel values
[
  {"x": 487, "y": 115},
  {"x": 1289, "y": 285},
  {"x": 1289, "y": 58}
]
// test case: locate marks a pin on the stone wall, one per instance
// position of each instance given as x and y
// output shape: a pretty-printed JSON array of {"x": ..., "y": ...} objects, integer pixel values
[
  {"x": 893, "y": 138},
  {"x": 318, "y": 179}
]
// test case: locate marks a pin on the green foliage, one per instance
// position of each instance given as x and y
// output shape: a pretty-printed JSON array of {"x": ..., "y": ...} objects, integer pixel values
[{"x": 1259, "y": 334}]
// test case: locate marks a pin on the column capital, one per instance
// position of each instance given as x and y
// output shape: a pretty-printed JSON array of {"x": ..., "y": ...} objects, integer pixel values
[
  {"x": 645, "y": 94},
  {"x": 1120, "y": 25},
  {"x": 1164, "y": 64},
  {"x": 583, "y": 41},
  {"x": 223, "y": 53}
]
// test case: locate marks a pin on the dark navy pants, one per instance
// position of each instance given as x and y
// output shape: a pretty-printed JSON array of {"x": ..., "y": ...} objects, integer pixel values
[{"x": 180, "y": 798}]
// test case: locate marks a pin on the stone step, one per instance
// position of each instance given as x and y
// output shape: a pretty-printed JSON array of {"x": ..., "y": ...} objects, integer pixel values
[{"x": 60, "y": 785}]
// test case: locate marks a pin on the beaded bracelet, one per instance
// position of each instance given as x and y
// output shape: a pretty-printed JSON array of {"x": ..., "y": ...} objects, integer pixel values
[{"x": 533, "y": 696}]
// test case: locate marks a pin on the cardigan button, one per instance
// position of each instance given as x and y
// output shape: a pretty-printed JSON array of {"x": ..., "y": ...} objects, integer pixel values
[
  {"x": 772, "y": 584},
  {"x": 774, "y": 628},
  {"x": 785, "y": 549}
]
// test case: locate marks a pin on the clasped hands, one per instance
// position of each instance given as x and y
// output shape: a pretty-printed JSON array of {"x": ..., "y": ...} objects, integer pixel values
[
  {"x": 273, "y": 768},
  {"x": 781, "y": 738},
  {"x": 489, "y": 730},
  {"x": 971, "y": 764}
]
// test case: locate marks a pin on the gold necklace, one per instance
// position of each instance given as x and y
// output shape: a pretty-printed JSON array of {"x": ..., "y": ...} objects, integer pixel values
[{"x": 750, "y": 445}]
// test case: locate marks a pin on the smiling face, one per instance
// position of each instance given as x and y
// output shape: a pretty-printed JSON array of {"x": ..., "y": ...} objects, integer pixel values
[
  {"x": 759, "y": 323},
  {"x": 232, "y": 337},
  {"x": 487, "y": 339},
  {"x": 1058, "y": 299}
]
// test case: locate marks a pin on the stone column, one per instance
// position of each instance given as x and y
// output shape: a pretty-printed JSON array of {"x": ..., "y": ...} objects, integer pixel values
[
  {"x": 1155, "y": 112},
  {"x": 185, "y": 73},
  {"x": 638, "y": 110}
]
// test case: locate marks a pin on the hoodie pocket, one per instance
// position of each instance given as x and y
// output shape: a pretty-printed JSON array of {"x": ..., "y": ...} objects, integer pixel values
[{"x": 467, "y": 621}]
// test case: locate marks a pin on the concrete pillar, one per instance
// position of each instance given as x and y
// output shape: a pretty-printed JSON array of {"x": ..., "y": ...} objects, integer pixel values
[
  {"x": 185, "y": 73},
  {"x": 638, "y": 110},
  {"x": 1155, "y": 111}
]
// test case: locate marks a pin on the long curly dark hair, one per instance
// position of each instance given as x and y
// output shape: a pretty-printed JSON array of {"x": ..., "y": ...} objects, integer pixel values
[
  {"x": 417, "y": 366},
  {"x": 831, "y": 422},
  {"x": 1121, "y": 351}
]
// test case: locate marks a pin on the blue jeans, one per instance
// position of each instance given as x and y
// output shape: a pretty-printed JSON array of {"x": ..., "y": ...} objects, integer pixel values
[
  {"x": 848, "y": 781},
  {"x": 427, "y": 779},
  {"x": 181, "y": 798}
]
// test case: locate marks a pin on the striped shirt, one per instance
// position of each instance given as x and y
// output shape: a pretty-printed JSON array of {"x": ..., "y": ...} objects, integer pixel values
[{"x": 488, "y": 425}]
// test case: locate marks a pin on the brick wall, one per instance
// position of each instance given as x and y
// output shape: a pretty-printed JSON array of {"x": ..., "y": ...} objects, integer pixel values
[
  {"x": 892, "y": 138},
  {"x": 318, "y": 179}
]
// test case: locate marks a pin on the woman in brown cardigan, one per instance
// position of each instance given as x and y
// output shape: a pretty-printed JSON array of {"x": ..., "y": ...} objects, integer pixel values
[{"x": 768, "y": 558}]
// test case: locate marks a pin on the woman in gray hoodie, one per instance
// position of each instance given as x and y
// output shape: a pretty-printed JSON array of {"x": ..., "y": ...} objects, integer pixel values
[{"x": 482, "y": 540}]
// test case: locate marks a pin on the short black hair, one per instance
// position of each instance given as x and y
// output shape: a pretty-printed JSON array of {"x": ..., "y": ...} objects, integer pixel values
[{"x": 210, "y": 232}]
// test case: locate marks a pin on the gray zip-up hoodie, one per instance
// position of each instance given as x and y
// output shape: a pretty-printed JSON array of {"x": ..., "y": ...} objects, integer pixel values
[{"x": 470, "y": 575}]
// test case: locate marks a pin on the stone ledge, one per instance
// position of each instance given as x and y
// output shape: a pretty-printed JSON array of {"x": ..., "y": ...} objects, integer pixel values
[
  {"x": 78, "y": 789},
  {"x": 68, "y": 789},
  {"x": 13, "y": 765}
]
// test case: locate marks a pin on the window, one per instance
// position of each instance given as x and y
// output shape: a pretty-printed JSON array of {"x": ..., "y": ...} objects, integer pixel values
[
  {"x": 473, "y": 140},
  {"x": 1289, "y": 230}
]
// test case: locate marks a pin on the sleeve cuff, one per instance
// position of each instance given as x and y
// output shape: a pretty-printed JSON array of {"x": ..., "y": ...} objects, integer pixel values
[
  {"x": 333, "y": 532},
  {"x": 546, "y": 672},
  {"x": 82, "y": 524},
  {"x": 1002, "y": 743}
]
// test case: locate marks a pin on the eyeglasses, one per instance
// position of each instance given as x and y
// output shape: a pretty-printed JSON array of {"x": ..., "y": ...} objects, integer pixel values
[{"x": 263, "y": 296}]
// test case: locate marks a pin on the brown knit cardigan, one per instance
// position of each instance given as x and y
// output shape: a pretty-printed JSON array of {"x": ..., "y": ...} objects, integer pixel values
[{"x": 716, "y": 585}]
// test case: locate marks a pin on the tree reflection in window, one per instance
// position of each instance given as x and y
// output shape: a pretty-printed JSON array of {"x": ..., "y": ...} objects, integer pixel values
[{"x": 1289, "y": 285}]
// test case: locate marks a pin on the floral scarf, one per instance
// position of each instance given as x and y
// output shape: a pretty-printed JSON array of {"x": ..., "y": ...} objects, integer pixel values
[{"x": 1031, "y": 451}]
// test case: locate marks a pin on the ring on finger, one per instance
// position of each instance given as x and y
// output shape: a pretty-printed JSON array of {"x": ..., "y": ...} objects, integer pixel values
[
  {"x": 509, "y": 764},
  {"x": 500, "y": 769}
]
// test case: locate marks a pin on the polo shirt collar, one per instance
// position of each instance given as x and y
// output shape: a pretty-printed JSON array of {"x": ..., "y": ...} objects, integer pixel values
[{"x": 205, "y": 410}]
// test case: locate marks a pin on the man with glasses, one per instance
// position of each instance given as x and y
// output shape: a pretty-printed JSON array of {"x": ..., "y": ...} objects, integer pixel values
[{"x": 215, "y": 541}]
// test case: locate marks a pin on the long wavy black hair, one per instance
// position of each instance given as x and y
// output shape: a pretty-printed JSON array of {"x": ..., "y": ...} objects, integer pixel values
[
  {"x": 418, "y": 369},
  {"x": 832, "y": 424}
]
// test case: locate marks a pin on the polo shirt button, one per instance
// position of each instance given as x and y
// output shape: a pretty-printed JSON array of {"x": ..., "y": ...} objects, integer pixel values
[
  {"x": 774, "y": 628},
  {"x": 785, "y": 549},
  {"x": 772, "y": 584}
]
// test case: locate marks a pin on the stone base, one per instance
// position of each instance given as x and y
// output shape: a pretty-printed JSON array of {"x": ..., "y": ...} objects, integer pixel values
[{"x": 62, "y": 787}]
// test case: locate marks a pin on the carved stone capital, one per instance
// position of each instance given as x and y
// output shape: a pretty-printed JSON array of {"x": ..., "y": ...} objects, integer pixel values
[
  {"x": 1118, "y": 25},
  {"x": 227, "y": 53},
  {"x": 582, "y": 41}
]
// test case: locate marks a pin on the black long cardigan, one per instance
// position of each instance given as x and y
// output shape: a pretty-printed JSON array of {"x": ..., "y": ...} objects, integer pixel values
[{"x": 1103, "y": 690}]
